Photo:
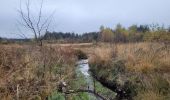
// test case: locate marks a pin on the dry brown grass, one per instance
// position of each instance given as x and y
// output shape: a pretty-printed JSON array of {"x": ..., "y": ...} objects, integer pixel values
[
  {"x": 101, "y": 54},
  {"x": 36, "y": 70},
  {"x": 139, "y": 57},
  {"x": 147, "y": 57},
  {"x": 150, "y": 95},
  {"x": 148, "y": 64}
]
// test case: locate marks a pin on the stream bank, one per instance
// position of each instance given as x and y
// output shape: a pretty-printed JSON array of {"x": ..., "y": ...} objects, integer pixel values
[{"x": 90, "y": 88}]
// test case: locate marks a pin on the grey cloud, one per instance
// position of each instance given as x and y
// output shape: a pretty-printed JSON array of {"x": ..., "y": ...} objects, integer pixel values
[{"x": 87, "y": 15}]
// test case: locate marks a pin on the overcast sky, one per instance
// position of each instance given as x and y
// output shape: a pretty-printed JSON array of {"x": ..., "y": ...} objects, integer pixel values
[{"x": 86, "y": 15}]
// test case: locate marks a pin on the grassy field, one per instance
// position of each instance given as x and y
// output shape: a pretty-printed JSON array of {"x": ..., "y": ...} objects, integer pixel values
[
  {"x": 140, "y": 71},
  {"x": 29, "y": 72}
]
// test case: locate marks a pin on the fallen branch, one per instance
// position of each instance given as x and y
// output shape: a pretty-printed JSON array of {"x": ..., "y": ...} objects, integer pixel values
[{"x": 88, "y": 91}]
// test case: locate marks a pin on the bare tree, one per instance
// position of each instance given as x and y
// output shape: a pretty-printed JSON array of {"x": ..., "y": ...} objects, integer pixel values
[{"x": 37, "y": 25}]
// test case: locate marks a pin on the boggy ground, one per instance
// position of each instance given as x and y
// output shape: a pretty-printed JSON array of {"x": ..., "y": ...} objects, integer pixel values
[
  {"x": 138, "y": 71},
  {"x": 30, "y": 72}
]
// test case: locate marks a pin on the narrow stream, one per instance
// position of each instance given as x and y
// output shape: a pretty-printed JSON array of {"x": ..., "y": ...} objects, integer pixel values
[
  {"x": 83, "y": 66},
  {"x": 83, "y": 71},
  {"x": 84, "y": 80}
]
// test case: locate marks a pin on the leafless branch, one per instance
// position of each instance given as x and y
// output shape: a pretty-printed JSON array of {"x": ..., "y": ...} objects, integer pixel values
[
  {"x": 39, "y": 18},
  {"x": 37, "y": 27},
  {"x": 22, "y": 34}
]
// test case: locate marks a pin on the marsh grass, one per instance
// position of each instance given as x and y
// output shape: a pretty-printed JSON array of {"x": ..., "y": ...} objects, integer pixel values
[
  {"x": 35, "y": 70},
  {"x": 145, "y": 65}
]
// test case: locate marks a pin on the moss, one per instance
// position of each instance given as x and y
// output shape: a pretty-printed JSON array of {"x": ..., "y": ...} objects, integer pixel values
[{"x": 56, "y": 96}]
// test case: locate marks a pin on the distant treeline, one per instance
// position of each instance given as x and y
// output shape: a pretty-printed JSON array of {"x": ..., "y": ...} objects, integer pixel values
[
  {"x": 134, "y": 33},
  {"x": 71, "y": 37},
  {"x": 7, "y": 40}
]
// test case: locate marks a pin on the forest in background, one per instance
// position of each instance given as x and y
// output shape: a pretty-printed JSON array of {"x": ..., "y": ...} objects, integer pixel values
[
  {"x": 119, "y": 34},
  {"x": 134, "y": 33}
]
